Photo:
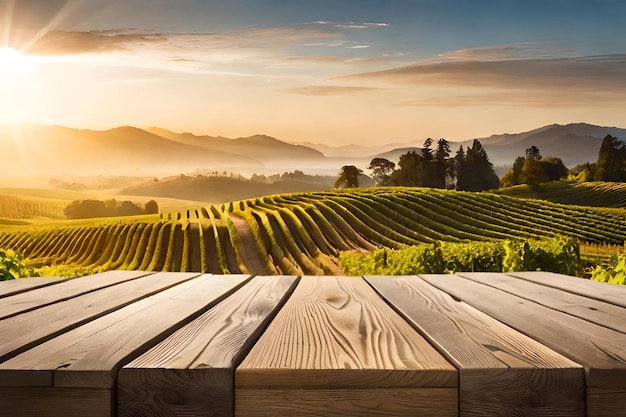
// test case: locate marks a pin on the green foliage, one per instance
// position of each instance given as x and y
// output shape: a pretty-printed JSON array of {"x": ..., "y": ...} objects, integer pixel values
[
  {"x": 611, "y": 160},
  {"x": 348, "y": 177},
  {"x": 612, "y": 275},
  {"x": 559, "y": 254},
  {"x": 13, "y": 266}
]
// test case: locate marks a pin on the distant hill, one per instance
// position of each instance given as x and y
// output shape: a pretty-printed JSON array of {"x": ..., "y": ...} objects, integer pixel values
[
  {"x": 37, "y": 150},
  {"x": 264, "y": 148},
  {"x": 574, "y": 143}
]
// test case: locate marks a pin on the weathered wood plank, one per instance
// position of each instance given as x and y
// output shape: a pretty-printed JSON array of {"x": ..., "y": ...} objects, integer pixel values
[
  {"x": 335, "y": 334},
  {"x": 341, "y": 402},
  {"x": 55, "y": 402},
  {"x": 90, "y": 355},
  {"x": 601, "y": 291},
  {"x": 501, "y": 371},
  {"x": 24, "y": 331},
  {"x": 606, "y": 402},
  {"x": 192, "y": 371},
  {"x": 598, "y": 312},
  {"x": 16, "y": 286},
  {"x": 600, "y": 350},
  {"x": 63, "y": 291}
]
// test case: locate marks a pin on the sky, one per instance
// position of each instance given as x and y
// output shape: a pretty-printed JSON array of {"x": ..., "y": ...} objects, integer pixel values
[{"x": 334, "y": 72}]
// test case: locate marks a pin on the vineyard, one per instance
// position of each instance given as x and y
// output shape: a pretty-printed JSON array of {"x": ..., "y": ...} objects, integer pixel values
[
  {"x": 599, "y": 194},
  {"x": 20, "y": 207},
  {"x": 304, "y": 233}
]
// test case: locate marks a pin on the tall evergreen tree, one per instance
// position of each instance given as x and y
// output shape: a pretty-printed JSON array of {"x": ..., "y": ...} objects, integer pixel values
[
  {"x": 459, "y": 169},
  {"x": 442, "y": 164},
  {"x": 479, "y": 171},
  {"x": 611, "y": 160}
]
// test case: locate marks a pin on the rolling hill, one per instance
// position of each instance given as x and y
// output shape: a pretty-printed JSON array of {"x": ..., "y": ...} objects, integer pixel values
[
  {"x": 31, "y": 150},
  {"x": 304, "y": 233},
  {"x": 574, "y": 143}
]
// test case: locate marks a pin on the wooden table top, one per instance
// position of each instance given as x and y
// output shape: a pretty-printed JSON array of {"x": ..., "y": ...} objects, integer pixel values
[{"x": 131, "y": 343}]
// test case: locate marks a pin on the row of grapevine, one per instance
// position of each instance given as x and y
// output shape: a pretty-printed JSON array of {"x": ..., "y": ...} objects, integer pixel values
[
  {"x": 305, "y": 233},
  {"x": 17, "y": 207},
  {"x": 598, "y": 194}
]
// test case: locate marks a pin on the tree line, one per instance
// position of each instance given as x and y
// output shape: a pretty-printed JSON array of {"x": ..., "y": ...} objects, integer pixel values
[
  {"x": 86, "y": 209},
  {"x": 467, "y": 170},
  {"x": 470, "y": 169}
]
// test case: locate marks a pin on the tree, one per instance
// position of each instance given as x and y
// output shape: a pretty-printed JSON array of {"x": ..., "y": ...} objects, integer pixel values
[
  {"x": 408, "y": 170},
  {"x": 611, "y": 160},
  {"x": 459, "y": 169},
  {"x": 554, "y": 168},
  {"x": 348, "y": 177},
  {"x": 381, "y": 170},
  {"x": 85, "y": 209},
  {"x": 478, "y": 172},
  {"x": 533, "y": 153},
  {"x": 151, "y": 207},
  {"x": 442, "y": 165}
]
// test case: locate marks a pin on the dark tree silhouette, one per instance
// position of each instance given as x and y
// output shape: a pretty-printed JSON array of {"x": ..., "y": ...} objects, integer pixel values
[
  {"x": 381, "y": 170},
  {"x": 611, "y": 160},
  {"x": 348, "y": 177}
]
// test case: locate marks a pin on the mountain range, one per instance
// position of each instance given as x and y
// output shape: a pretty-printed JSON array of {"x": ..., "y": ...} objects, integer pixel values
[{"x": 30, "y": 150}]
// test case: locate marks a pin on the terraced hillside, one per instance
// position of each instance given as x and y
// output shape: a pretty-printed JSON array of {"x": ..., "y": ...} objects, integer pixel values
[
  {"x": 598, "y": 194},
  {"x": 304, "y": 233},
  {"x": 21, "y": 207}
]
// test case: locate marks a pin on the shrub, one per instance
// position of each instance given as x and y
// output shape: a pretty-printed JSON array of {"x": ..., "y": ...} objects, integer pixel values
[
  {"x": 13, "y": 266},
  {"x": 559, "y": 254}
]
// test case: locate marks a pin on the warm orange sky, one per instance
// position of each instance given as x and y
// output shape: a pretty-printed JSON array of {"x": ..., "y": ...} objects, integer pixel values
[{"x": 329, "y": 72}]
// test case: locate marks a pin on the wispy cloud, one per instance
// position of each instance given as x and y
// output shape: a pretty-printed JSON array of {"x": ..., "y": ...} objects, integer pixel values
[
  {"x": 520, "y": 99},
  {"x": 597, "y": 73},
  {"x": 327, "y": 90},
  {"x": 365, "y": 25}
]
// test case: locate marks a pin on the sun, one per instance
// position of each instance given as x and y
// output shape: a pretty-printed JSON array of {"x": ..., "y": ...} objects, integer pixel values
[{"x": 13, "y": 62}]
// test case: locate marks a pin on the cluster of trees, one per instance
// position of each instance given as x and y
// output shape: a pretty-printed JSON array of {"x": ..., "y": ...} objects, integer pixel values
[
  {"x": 610, "y": 166},
  {"x": 86, "y": 209},
  {"x": 467, "y": 170},
  {"x": 533, "y": 169}
]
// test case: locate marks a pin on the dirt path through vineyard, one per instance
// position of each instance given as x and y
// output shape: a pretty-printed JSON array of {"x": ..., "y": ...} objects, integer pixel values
[{"x": 249, "y": 252}]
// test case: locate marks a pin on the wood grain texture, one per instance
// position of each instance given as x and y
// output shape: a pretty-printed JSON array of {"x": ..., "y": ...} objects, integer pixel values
[
  {"x": 192, "y": 371},
  {"x": 336, "y": 333},
  {"x": 499, "y": 368},
  {"x": 24, "y": 331},
  {"x": 601, "y": 291},
  {"x": 54, "y": 402},
  {"x": 90, "y": 355},
  {"x": 598, "y": 312},
  {"x": 606, "y": 402},
  {"x": 16, "y": 286},
  {"x": 341, "y": 402},
  {"x": 600, "y": 350},
  {"x": 63, "y": 291}
]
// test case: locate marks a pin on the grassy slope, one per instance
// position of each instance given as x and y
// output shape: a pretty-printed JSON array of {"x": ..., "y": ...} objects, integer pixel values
[
  {"x": 598, "y": 194},
  {"x": 303, "y": 233}
]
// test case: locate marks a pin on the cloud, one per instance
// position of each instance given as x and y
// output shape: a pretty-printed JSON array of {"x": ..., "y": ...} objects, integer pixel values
[
  {"x": 353, "y": 25},
  {"x": 594, "y": 73},
  {"x": 520, "y": 99},
  {"x": 506, "y": 53},
  {"x": 327, "y": 90},
  {"x": 358, "y": 46},
  {"x": 81, "y": 42}
]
